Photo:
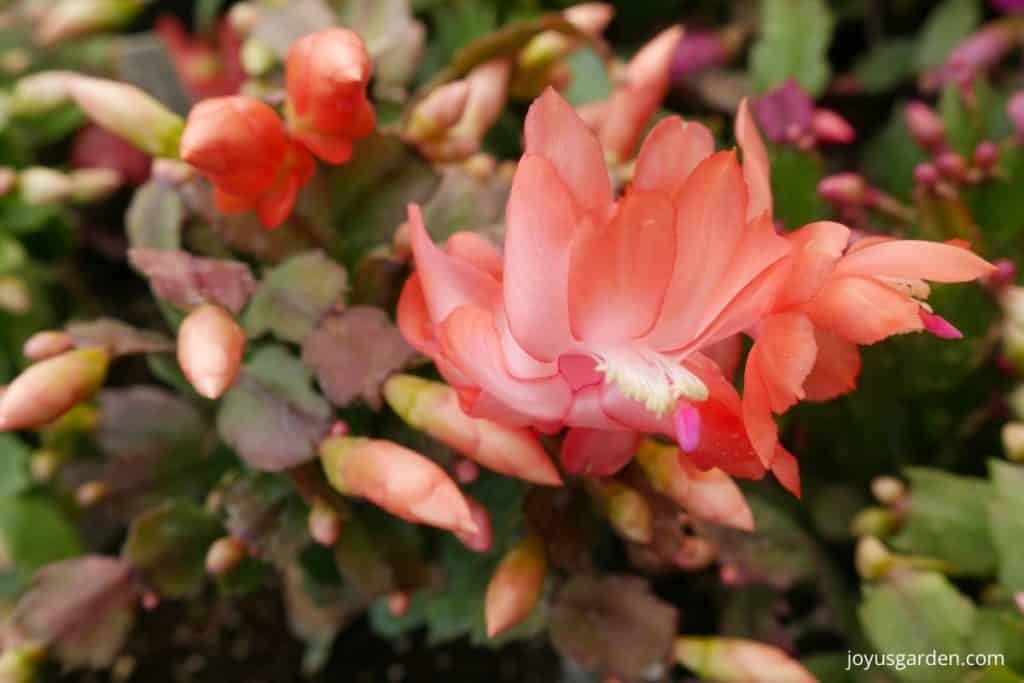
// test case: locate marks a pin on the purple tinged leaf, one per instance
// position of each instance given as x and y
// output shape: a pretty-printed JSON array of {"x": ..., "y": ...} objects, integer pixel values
[
  {"x": 271, "y": 416},
  {"x": 120, "y": 339},
  {"x": 613, "y": 625},
  {"x": 188, "y": 281},
  {"x": 293, "y": 297},
  {"x": 81, "y": 609},
  {"x": 143, "y": 420},
  {"x": 352, "y": 353}
]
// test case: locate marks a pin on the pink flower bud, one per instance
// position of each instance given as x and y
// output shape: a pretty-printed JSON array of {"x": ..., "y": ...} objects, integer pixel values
[
  {"x": 324, "y": 524},
  {"x": 434, "y": 408},
  {"x": 71, "y": 18},
  {"x": 925, "y": 125},
  {"x": 128, "y": 112},
  {"x": 980, "y": 51},
  {"x": 926, "y": 174},
  {"x": 326, "y": 74},
  {"x": 516, "y": 586},
  {"x": 401, "y": 481},
  {"x": 46, "y": 344},
  {"x": 210, "y": 347},
  {"x": 828, "y": 126},
  {"x": 697, "y": 52},
  {"x": 952, "y": 166},
  {"x": 844, "y": 188},
  {"x": 438, "y": 112},
  {"x": 482, "y": 539},
  {"x": 225, "y": 554},
  {"x": 785, "y": 113},
  {"x": 710, "y": 495},
  {"x": 52, "y": 387},
  {"x": 734, "y": 660},
  {"x": 986, "y": 155}
]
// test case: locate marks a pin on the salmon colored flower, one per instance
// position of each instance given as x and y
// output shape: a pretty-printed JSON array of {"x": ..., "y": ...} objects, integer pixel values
[
  {"x": 597, "y": 315},
  {"x": 326, "y": 74},
  {"x": 240, "y": 144},
  {"x": 830, "y": 297},
  {"x": 621, "y": 120},
  {"x": 205, "y": 70}
]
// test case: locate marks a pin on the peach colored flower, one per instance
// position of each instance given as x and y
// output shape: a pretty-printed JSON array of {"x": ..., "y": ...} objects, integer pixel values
[
  {"x": 240, "y": 144},
  {"x": 326, "y": 74},
  {"x": 830, "y": 296},
  {"x": 596, "y": 316}
]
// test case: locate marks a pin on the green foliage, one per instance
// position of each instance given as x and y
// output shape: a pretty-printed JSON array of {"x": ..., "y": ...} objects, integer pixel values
[
  {"x": 949, "y": 23},
  {"x": 794, "y": 39}
]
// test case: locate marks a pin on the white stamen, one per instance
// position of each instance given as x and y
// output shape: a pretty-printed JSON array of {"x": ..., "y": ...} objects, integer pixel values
[{"x": 649, "y": 377}]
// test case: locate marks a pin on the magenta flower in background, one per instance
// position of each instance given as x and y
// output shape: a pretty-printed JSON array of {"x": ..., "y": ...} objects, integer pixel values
[
  {"x": 785, "y": 113},
  {"x": 697, "y": 52},
  {"x": 1009, "y": 5}
]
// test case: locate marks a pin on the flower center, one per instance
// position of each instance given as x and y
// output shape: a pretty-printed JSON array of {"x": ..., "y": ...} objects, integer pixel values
[{"x": 649, "y": 377}]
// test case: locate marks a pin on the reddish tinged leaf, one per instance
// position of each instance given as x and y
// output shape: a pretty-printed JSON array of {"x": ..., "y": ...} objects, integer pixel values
[
  {"x": 613, "y": 625},
  {"x": 271, "y": 416},
  {"x": 188, "y": 281},
  {"x": 81, "y": 608},
  {"x": 143, "y": 420},
  {"x": 120, "y": 339},
  {"x": 353, "y": 352}
]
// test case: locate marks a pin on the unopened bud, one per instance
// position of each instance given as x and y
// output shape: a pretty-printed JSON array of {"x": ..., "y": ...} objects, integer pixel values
[
  {"x": 925, "y": 125},
  {"x": 888, "y": 490},
  {"x": 627, "y": 510},
  {"x": 243, "y": 17},
  {"x": 434, "y": 408},
  {"x": 41, "y": 186},
  {"x": 210, "y": 347},
  {"x": 697, "y": 52},
  {"x": 952, "y": 166},
  {"x": 44, "y": 464},
  {"x": 41, "y": 92},
  {"x": 257, "y": 57},
  {"x": 734, "y": 660},
  {"x": 91, "y": 493},
  {"x": 93, "y": 184},
  {"x": 128, "y": 112},
  {"x": 1013, "y": 440},
  {"x": 401, "y": 481},
  {"x": 324, "y": 524},
  {"x": 925, "y": 174},
  {"x": 46, "y": 344},
  {"x": 482, "y": 539},
  {"x": 466, "y": 471},
  {"x": 980, "y": 51},
  {"x": 516, "y": 586},
  {"x": 398, "y": 603},
  {"x": 224, "y": 554},
  {"x": 15, "y": 296},
  {"x": 986, "y": 155},
  {"x": 438, "y": 112},
  {"x": 872, "y": 559},
  {"x": 828, "y": 126},
  {"x": 52, "y": 387},
  {"x": 844, "y": 188},
  {"x": 71, "y": 18}
]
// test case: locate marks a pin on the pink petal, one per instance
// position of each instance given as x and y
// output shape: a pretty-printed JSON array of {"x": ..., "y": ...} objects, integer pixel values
[
  {"x": 447, "y": 282},
  {"x": 597, "y": 453},
  {"x": 713, "y": 496},
  {"x": 470, "y": 341},
  {"x": 726, "y": 354},
  {"x": 556, "y": 133},
  {"x": 541, "y": 225},
  {"x": 671, "y": 151},
  {"x": 915, "y": 259},
  {"x": 939, "y": 326},
  {"x": 756, "y": 171},
  {"x": 709, "y": 223},
  {"x": 817, "y": 248},
  {"x": 835, "y": 368},
  {"x": 786, "y": 470},
  {"x": 587, "y": 410},
  {"x": 687, "y": 420},
  {"x": 520, "y": 364},
  {"x": 477, "y": 250},
  {"x": 863, "y": 310},
  {"x": 414, "y": 319},
  {"x": 618, "y": 271}
]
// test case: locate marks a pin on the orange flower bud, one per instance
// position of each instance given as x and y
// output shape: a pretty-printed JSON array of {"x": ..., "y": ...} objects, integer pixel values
[
  {"x": 46, "y": 344},
  {"x": 438, "y": 112},
  {"x": 483, "y": 539},
  {"x": 326, "y": 74},
  {"x": 626, "y": 508},
  {"x": 70, "y": 18},
  {"x": 710, "y": 495},
  {"x": 240, "y": 144},
  {"x": 129, "y": 113},
  {"x": 48, "y": 389},
  {"x": 515, "y": 587},
  {"x": 210, "y": 347},
  {"x": 225, "y": 554},
  {"x": 401, "y": 481},
  {"x": 41, "y": 92},
  {"x": 734, "y": 660},
  {"x": 434, "y": 408}
]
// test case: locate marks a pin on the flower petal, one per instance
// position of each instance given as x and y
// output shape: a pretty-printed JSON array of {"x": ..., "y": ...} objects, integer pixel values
[
  {"x": 671, "y": 152},
  {"x": 915, "y": 259},
  {"x": 618, "y": 271},
  {"x": 414, "y": 319},
  {"x": 477, "y": 250},
  {"x": 835, "y": 368},
  {"x": 597, "y": 453},
  {"x": 817, "y": 248},
  {"x": 756, "y": 170},
  {"x": 541, "y": 225},
  {"x": 557, "y": 134},
  {"x": 863, "y": 310}
]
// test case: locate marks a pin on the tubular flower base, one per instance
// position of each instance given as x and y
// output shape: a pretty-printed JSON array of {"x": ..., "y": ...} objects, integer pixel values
[
  {"x": 434, "y": 408},
  {"x": 401, "y": 481},
  {"x": 326, "y": 76},
  {"x": 240, "y": 144},
  {"x": 52, "y": 387},
  {"x": 598, "y": 313},
  {"x": 515, "y": 587}
]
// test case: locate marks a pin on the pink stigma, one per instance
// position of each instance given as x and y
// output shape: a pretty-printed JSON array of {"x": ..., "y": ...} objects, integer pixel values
[
  {"x": 939, "y": 326},
  {"x": 687, "y": 420}
]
